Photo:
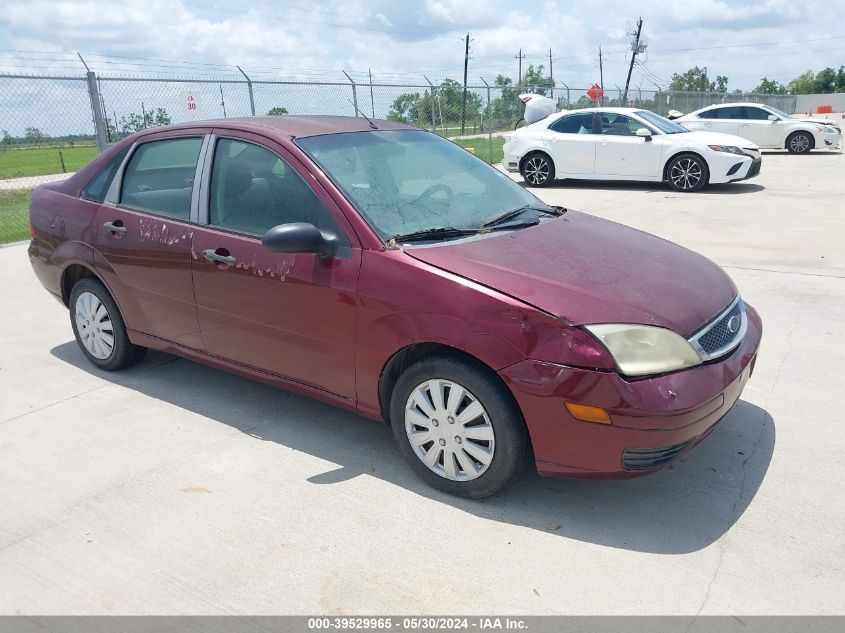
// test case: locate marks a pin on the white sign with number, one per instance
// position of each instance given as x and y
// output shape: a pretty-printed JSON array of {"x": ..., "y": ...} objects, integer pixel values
[{"x": 191, "y": 102}]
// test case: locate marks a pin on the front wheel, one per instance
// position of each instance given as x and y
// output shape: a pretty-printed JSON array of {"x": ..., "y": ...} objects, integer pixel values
[
  {"x": 457, "y": 427},
  {"x": 99, "y": 327},
  {"x": 799, "y": 143},
  {"x": 687, "y": 173},
  {"x": 538, "y": 170}
]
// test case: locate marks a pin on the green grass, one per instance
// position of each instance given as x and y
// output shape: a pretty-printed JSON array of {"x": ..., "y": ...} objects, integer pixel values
[
  {"x": 41, "y": 161},
  {"x": 14, "y": 215},
  {"x": 481, "y": 148}
]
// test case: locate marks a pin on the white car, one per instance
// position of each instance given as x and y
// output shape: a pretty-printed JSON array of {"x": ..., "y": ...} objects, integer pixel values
[
  {"x": 766, "y": 126},
  {"x": 626, "y": 144}
]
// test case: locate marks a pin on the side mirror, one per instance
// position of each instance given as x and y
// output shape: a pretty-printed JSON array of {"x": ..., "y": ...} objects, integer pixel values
[
  {"x": 645, "y": 133},
  {"x": 772, "y": 117},
  {"x": 299, "y": 237}
]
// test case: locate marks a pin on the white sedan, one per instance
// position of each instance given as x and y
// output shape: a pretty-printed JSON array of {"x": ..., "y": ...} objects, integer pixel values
[
  {"x": 766, "y": 126},
  {"x": 626, "y": 144}
]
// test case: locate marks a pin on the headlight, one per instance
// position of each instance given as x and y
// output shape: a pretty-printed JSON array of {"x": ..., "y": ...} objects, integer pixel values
[
  {"x": 730, "y": 149},
  {"x": 640, "y": 350}
]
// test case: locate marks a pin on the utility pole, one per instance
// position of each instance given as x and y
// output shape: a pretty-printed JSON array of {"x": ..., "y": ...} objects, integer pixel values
[
  {"x": 551, "y": 76},
  {"x": 601, "y": 76},
  {"x": 464, "y": 99},
  {"x": 704, "y": 80},
  {"x": 519, "y": 57},
  {"x": 634, "y": 50}
]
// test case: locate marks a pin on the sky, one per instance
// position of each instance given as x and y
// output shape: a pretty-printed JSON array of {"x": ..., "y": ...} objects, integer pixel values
[{"x": 404, "y": 40}]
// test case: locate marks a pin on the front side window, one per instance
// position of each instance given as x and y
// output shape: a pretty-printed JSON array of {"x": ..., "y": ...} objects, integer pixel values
[
  {"x": 402, "y": 181},
  {"x": 160, "y": 175},
  {"x": 98, "y": 186},
  {"x": 755, "y": 114},
  {"x": 619, "y": 125},
  {"x": 574, "y": 124},
  {"x": 252, "y": 190}
]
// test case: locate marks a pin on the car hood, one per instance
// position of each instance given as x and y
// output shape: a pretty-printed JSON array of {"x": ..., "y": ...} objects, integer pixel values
[
  {"x": 816, "y": 121},
  {"x": 583, "y": 269},
  {"x": 716, "y": 138}
]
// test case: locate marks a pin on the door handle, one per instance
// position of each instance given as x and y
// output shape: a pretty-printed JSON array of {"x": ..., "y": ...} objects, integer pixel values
[
  {"x": 115, "y": 227},
  {"x": 214, "y": 257},
  {"x": 708, "y": 125}
]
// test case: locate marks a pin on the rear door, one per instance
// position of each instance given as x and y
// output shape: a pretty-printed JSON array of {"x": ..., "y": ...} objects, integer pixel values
[
  {"x": 144, "y": 231},
  {"x": 572, "y": 144},
  {"x": 292, "y": 315},
  {"x": 620, "y": 152},
  {"x": 724, "y": 119}
]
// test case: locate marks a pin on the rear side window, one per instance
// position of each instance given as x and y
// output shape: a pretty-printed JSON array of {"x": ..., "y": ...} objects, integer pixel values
[
  {"x": 160, "y": 176},
  {"x": 730, "y": 112},
  {"x": 98, "y": 186},
  {"x": 574, "y": 124}
]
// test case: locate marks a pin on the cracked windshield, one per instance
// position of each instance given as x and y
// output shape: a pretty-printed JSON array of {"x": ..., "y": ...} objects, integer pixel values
[{"x": 405, "y": 181}]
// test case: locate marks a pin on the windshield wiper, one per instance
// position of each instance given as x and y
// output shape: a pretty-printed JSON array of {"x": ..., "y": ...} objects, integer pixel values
[
  {"x": 435, "y": 233},
  {"x": 508, "y": 215}
]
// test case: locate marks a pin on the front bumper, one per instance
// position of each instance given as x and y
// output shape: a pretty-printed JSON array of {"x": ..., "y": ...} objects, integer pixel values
[{"x": 655, "y": 419}]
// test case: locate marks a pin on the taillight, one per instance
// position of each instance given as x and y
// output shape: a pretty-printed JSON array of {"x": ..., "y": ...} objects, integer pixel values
[{"x": 31, "y": 228}]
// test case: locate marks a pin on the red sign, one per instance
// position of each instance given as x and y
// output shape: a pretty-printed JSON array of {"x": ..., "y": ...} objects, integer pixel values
[{"x": 595, "y": 92}]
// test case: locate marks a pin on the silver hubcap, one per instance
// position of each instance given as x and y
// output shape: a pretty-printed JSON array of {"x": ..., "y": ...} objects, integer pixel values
[
  {"x": 799, "y": 143},
  {"x": 685, "y": 173},
  {"x": 536, "y": 170},
  {"x": 449, "y": 430},
  {"x": 94, "y": 325}
]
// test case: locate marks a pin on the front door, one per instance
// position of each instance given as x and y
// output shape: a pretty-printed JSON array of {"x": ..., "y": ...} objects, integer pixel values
[
  {"x": 620, "y": 152},
  {"x": 292, "y": 315},
  {"x": 143, "y": 232},
  {"x": 756, "y": 127}
]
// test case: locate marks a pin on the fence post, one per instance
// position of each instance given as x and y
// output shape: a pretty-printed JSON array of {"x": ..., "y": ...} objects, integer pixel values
[
  {"x": 96, "y": 107},
  {"x": 249, "y": 87},
  {"x": 567, "y": 95},
  {"x": 489, "y": 125},
  {"x": 354, "y": 92},
  {"x": 433, "y": 114}
]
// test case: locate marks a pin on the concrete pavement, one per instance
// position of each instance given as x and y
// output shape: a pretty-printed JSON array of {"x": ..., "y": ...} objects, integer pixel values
[{"x": 175, "y": 488}]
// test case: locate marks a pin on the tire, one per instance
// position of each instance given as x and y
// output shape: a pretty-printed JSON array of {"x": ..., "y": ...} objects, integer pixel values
[
  {"x": 488, "y": 447},
  {"x": 687, "y": 173},
  {"x": 537, "y": 169},
  {"x": 799, "y": 143},
  {"x": 92, "y": 313}
]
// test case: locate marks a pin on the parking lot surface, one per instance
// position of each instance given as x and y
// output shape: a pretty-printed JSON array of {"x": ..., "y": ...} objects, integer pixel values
[{"x": 176, "y": 488}]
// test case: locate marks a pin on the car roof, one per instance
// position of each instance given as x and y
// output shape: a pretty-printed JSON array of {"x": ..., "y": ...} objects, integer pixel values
[
  {"x": 734, "y": 103},
  {"x": 295, "y": 126},
  {"x": 605, "y": 109}
]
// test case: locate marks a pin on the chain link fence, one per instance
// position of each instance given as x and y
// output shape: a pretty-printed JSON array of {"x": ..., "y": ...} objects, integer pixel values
[{"x": 53, "y": 125}]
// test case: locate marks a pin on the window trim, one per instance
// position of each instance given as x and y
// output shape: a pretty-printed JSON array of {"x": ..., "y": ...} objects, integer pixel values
[
  {"x": 113, "y": 196},
  {"x": 204, "y": 191}
]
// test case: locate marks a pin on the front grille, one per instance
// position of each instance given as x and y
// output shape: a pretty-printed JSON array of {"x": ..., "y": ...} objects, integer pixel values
[
  {"x": 645, "y": 458},
  {"x": 723, "y": 333}
]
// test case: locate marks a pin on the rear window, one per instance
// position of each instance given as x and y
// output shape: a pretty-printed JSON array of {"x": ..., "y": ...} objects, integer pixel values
[{"x": 98, "y": 186}]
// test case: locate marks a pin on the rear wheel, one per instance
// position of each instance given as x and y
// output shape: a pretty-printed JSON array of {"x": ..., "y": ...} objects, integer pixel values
[
  {"x": 799, "y": 143},
  {"x": 538, "y": 170},
  {"x": 687, "y": 172},
  {"x": 99, "y": 327},
  {"x": 457, "y": 427}
]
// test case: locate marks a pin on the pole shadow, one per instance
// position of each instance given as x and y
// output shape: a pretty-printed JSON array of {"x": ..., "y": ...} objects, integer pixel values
[{"x": 678, "y": 510}]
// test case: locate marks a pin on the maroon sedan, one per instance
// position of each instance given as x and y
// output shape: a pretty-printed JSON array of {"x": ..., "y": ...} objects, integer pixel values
[{"x": 387, "y": 271}]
